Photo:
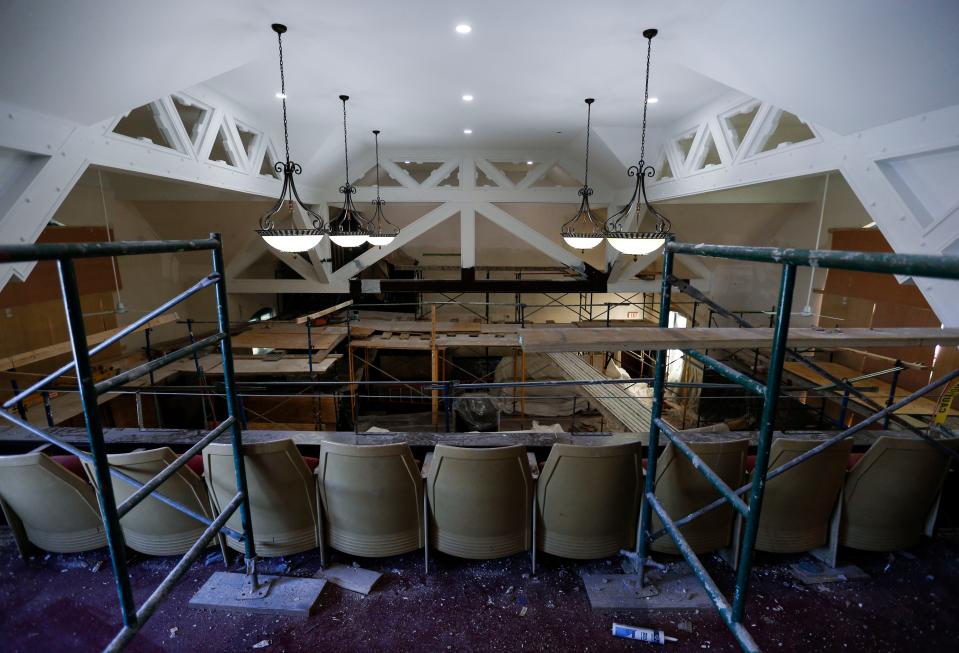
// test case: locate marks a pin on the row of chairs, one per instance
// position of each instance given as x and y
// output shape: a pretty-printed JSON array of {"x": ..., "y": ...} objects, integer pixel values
[{"x": 581, "y": 503}]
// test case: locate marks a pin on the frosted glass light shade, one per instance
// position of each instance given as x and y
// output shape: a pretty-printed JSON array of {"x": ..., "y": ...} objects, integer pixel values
[
  {"x": 636, "y": 246},
  {"x": 293, "y": 243},
  {"x": 380, "y": 240},
  {"x": 582, "y": 242},
  {"x": 348, "y": 240}
]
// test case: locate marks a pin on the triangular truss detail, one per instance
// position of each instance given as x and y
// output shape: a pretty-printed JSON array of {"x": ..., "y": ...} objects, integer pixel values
[
  {"x": 226, "y": 147},
  {"x": 663, "y": 171},
  {"x": 419, "y": 171},
  {"x": 482, "y": 180},
  {"x": 451, "y": 180},
  {"x": 249, "y": 139},
  {"x": 556, "y": 176},
  {"x": 515, "y": 171},
  {"x": 386, "y": 179},
  {"x": 684, "y": 144},
  {"x": 785, "y": 129},
  {"x": 705, "y": 154},
  {"x": 151, "y": 124},
  {"x": 737, "y": 123},
  {"x": 267, "y": 162},
  {"x": 194, "y": 116}
]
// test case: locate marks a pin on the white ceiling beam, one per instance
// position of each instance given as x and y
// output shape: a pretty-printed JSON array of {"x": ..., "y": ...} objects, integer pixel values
[
  {"x": 494, "y": 173},
  {"x": 282, "y": 286},
  {"x": 397, "y": 173},
  {"x": 408, "y": 233},
  {"x": 531, "y": 237},
  {"x": 299, "y": 263},
  {"x": 441, "y": 173},
  {"x": 467, "y": 237}
]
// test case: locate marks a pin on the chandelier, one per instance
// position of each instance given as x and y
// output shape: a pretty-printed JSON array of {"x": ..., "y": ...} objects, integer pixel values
[
  {"x": 350, "y": 228},
  {"x": 292, "y": 239},
  {"x": 639, "y": 243},
  {"x": 584, "y": 230},
  {"x": 382, "y": 231}
]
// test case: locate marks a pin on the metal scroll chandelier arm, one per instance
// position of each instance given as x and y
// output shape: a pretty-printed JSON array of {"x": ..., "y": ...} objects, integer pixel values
[
  {"x": 615, "y": 230},
  {"x": 350, "y": 228},
  {"x": 382, "y": 231},
  {"x": 293, "y": 239},
  {"x": 584, "y": 230}
]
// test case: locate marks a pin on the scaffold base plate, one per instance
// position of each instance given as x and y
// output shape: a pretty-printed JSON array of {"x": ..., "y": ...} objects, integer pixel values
[{"x": 288, "y": 596}]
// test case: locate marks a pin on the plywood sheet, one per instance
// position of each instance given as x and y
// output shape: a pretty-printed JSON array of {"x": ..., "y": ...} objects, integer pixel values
[
  {"x": 618, "y": 339},
  {"x": 265, "y": 338},
  {"x": 61, "y": 348}
]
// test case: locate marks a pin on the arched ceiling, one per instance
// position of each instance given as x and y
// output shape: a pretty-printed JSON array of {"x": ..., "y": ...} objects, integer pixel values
[{"x": 844, "y": 65}]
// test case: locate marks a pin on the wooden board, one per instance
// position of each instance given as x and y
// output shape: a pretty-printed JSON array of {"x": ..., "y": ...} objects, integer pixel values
[
  {"x": 66, "y": 405},
  {"x": 422, "y": 342},
  {"x": 264, "y": 338},
  {"x": 288, "y": 365},
  {"x": 921, "y": 406},
  {"x": 326, "y": 311},
  {"x": 61, "y": 348},
  {"x": 619, "y": 339},
  {"x": 133, "y": 437},
  {"x": 634, "y": 413}
]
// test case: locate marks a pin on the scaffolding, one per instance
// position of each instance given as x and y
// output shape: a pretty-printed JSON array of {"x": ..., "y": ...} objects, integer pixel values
[
  {"x": 64, "y": 254},
  {"x": 942, "y": 267}
]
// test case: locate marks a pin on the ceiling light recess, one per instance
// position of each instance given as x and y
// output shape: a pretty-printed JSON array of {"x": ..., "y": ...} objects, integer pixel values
[
  {"x": 467, "y": 98},
  {"x": 350, "y": 228},
  {"x": 293, "y": 239},
  {"x": 467, "y": 131},
  {"x": 584, "y": 230},
  {"x": 639, "y": 243},
  {"x": 463, "y": 28}
]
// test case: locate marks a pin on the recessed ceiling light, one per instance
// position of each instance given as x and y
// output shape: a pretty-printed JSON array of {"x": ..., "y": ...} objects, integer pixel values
[
  {"x": 467, "y": 98},
  {"x": 280, "y": 95},
  {"x": 653, "y": 100},
  {"x": 467, "y": 131},
  {"x": 463, "y": 28},
  {"x": 529, "y": 163}
]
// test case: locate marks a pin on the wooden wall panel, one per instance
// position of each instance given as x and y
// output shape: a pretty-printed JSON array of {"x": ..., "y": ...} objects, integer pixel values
[
  {"x": 93, "y": 274},
  {"x": 859, "y": 299}
]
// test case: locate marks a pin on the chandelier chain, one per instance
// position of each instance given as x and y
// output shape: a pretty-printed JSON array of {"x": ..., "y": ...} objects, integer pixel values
[
  {"x": 642, "y": 145},
  {"x": 376, "y": 140},
  {"x": 286, "y": 135},
  {"x": 589, "y": 112},
  {"x": 346, "y": 150}
]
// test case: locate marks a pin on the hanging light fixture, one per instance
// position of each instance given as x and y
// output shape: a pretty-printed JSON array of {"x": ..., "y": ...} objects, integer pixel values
[
  {"x": 639, "y": 243},
  {"x": 350, "y": 228},
  {"x": 293, "y": 239},
  {"x": 584, "y": 230},
  {"x": 382, "y": 231}
]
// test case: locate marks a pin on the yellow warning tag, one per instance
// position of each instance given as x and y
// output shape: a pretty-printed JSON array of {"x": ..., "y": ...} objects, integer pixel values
[{"x": 945, "y": 403}]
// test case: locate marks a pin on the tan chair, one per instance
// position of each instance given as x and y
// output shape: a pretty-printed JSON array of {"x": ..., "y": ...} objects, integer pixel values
[
  {"x": 153, "y": 527},
  {"x": 282, "y": 492},
  {"x": 480, "y": 501},
  {"x": 48, "y": 505},
  {"x": 588, "y": 500},
  {"x": 372, "y": 498},
  {"x": 891, "y": 494},
  {"x": 682, "y": 489},
  {"x": 797, "y": 505}
]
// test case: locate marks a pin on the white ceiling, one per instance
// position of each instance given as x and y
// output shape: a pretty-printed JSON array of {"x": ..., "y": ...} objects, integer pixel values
[{"x": 844, "y": 65}]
